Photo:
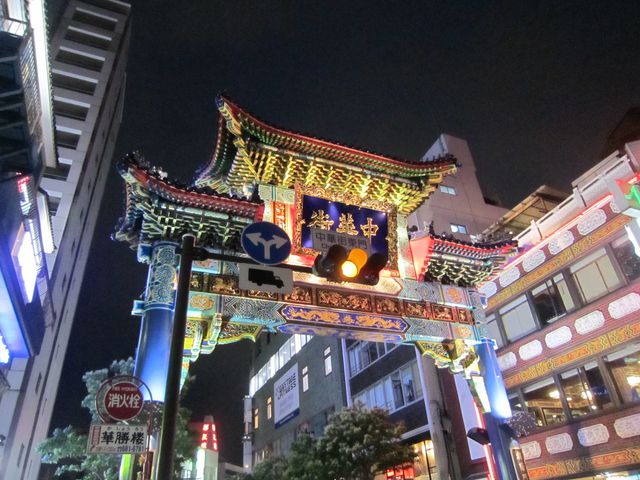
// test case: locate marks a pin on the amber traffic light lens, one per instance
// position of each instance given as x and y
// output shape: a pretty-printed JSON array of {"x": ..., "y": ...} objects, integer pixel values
[{"x": 349, "y": 269}]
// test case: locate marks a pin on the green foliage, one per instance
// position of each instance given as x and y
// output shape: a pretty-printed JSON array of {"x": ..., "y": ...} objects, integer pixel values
[
  {"x": 305, "y": 461},
  {"x": 66, "y": 448},
  {"x": 357, "y": 444},
  {"x": 270, "y": 469}
]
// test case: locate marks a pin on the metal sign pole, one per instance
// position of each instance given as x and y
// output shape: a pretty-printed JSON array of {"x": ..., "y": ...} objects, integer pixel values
[{"x": 172, "y": 395}]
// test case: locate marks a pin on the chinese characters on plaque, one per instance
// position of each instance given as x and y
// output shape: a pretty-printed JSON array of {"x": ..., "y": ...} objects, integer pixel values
[{"x": 117, "y": 438}]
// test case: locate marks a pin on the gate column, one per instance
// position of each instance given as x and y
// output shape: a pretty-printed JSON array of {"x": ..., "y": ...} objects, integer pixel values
[
  {"x": 154, "y": 343},
  {"x": 501, "y": 441}
]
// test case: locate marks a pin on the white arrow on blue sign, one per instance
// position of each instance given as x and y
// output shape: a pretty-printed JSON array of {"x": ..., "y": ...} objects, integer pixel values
[{"x": 266, "y": 243}]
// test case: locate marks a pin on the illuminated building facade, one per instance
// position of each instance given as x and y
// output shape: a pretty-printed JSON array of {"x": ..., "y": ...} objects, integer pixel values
[
  {"x": 26, "y": 149},
  {"x": 565, "y": 314},
  {"x": 88, "y": 54},
  {"x": 320, "y": 193}
]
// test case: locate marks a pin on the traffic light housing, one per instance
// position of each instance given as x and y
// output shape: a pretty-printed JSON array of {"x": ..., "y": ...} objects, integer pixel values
[
  {"x": 479, "y": 435},
  {"x": 340, "y": 265}
]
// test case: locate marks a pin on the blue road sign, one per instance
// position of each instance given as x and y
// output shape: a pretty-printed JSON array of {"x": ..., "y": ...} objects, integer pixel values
[{"x": 266, "y": 243}]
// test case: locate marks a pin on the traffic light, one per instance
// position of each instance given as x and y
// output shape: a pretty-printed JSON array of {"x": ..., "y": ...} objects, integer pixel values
[{"x": 355, "y": 265}]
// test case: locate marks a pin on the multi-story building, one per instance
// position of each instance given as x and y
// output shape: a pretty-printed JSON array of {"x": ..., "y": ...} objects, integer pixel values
[
  {"x": 315, "y": 364},
  {"x": 566, "y": 317},
  {"x": 459, "y": 206},
  {"x": 89, "y": 54},
  {"x": 26, "y": 149}
]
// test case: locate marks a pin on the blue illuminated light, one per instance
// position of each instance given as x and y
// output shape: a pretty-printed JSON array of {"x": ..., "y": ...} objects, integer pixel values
[
  {"x": 4, "y": 351},
  {"x": 27, "y": 265}
]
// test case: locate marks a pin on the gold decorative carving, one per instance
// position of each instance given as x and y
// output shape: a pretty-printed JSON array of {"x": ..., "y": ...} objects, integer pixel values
[
  {"x": 338, "y": 299},
  {"x": 300, "y": 294},
  {"x": 388, "y": 305},
  {"x": 611, "y": 339}
]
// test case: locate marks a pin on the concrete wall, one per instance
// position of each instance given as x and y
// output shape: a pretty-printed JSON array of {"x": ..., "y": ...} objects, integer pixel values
[{"x": 467, "y": 207}]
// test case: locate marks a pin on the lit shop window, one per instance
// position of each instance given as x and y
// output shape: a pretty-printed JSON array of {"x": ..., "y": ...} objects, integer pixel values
[
  {"x": 595, "y": 276},
  {"x": 305, "y": 379},
  {"x": 458, "y": 228},
  {"x": 328, "y": 367},
  {"x": 256, "y": 418},
  {"x": 543, "y": 400},
  {"x": 447, "y": 190},
  {"x": 624, "y": 367},
  {"x": 584, "y": 390},
  {"x": 269, "y": 408}
]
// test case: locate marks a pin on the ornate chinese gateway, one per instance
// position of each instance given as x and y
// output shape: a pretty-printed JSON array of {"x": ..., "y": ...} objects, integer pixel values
[{"x": 320, "y": 193}]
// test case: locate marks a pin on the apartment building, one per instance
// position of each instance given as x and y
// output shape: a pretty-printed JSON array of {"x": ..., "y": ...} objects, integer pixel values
[{"x": 89, "y": 52}]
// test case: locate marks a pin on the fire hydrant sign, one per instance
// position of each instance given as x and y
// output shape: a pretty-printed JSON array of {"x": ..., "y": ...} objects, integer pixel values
[
  {"x": 117, "y": 439},
  {"x": 119, "y": 399}
]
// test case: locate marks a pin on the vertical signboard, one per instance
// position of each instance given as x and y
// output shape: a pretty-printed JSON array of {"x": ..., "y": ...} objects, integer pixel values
[{"x": 286, "y": 394}]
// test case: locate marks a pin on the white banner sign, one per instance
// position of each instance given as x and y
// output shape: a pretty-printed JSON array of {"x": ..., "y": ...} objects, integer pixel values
[
  {"x": 286, "y": 393},
  {"x": 117, "y": 438}
]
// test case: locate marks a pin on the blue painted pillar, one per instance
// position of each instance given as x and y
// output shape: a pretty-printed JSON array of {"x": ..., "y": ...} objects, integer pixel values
[
  {"x": 154, "y": 343},
  {"x": 501, "y": 441}
]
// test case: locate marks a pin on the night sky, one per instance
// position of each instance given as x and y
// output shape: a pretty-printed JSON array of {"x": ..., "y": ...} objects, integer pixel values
[{"x": 534, "y": 90}]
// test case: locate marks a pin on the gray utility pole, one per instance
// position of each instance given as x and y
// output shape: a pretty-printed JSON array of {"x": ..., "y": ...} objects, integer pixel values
[{"x": 446, "y": 459}]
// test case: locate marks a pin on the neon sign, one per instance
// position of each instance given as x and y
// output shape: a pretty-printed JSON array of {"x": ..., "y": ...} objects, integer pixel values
[
  {"x": 208, "y": 437},
  {"x": 4, "y": 351}
]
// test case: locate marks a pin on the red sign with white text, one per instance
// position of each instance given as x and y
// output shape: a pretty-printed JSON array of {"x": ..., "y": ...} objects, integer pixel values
[{"x": 123, "y": 401}]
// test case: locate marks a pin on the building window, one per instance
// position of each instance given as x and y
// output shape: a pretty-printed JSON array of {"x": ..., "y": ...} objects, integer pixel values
[
  {"x": 269, "y": 408},
  {"x": 517, "y": 318},
  {"x": 394, "y": 391},
  {"x": 514, "y": 401},
  {"x": 363, "y": 354},
  {"x": 552, "y": 299},
  {"x": 72, "y": 57},
  {"x": 87, "y": 38},
  {"x": 305, "y": 379},
  {"x": 624, "y": 367},
  {"x": 72, "y": 83},
  {"x": 447, "y": 190},
  {"x": 328, "y": 367},
  {"x": 54, "y": 204},
  {"x": 627, "y": 259},
  {"x": 256, "y": 418},
  {"x": 458, "y": 228},
  {"x": 595, "y": 276},
  {"x": 61, "y": 172},
  {"x": 585, "y": 390},
  {"x": 76, "y": 111},
  {"x": 85, "y": 16},
  {"x": 493, "y": 331},
  {"x": 542, "y": 399}
]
